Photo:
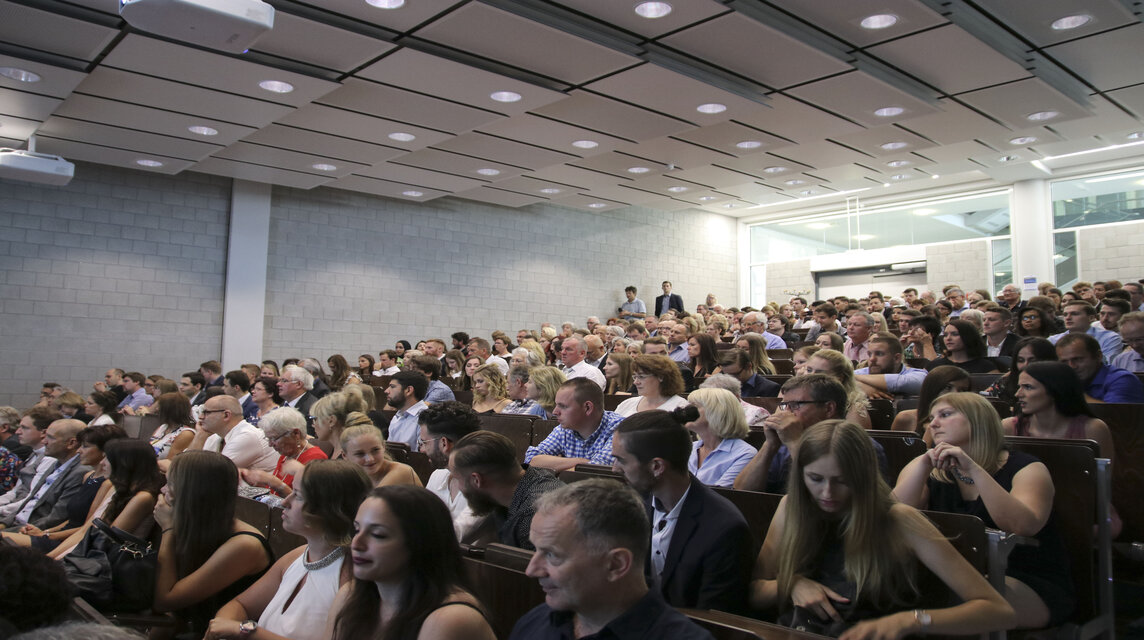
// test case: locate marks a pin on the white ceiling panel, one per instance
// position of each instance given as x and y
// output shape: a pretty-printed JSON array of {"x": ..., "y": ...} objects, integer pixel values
[
  {"x": 1006, "y": 142},
  {"x": 1034, "y": 18},
  {"x": 539, "y": 188},
  {"x": 551, "y": 134},
  {"x": 357, "y": 126},
  {"x": 621, "y": 165},
  {"x": 714, "y": 177},
  {"x": 259, "y": 173},
  {"x": 667, "y": 204},
  {"x": 658, "y": 89},
  {"x": 884, "y": 141},
  {"x": 108, "y": 156},
  {"x": 405, "y": 106},
  {"x": 624, "y": 193},
  {"x": 585, "y": 179},
  {"x": 420, "y": 178},
  {"x": 623, "y": 15},
  {"x": 955, "y": 122},
  {"x": 127, "y": 139},
  {"x": 112, "y": 112},
  {"x": 601, "y": 113},
  {"x": 402, "y": 18},
  {"x": 798, "y": 121},
  {"x": 493, "y": 195},
  {"x": 1012, "y": 103},
  {"x": 669, "y": 151},
  {"x": 844, "y": 19},
  {"x": 479, "y": 145},
  {"x": 949, "y": 153},
  {"x": 1108, "y": 118},
  {"x": 289, "y": 160},
  {"x": 765, "y": 166},
  {"x": 815, "y": 155},
  {"x": 1108, "y": 60},
  {"x": 1131, "y": 98},
  {"x": 459, "y": 165},
  {"x": 927, "y": 55},
  {"x": 386, "y": 188},
  {"x": 858, "y": 95},
  {"x": 297, "y": 38},
  {"x": 323, "y": 145},
  {"x": 54, "y": 81},
  {"x": 17, "y": 129},
  {"x": 25, "y": 26},
  {"x": 589, "y": 203},
  {"x": 27, "y": 105},
  {"x": 728, "y": 136}
]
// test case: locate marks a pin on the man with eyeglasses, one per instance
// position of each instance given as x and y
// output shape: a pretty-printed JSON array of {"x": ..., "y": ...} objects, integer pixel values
[
  {"x": 1132, "y": 333},
  {"x": 221, "y": 429},
  {"x": 440, "y": 426},
  {"x": 804, "y": 402},
  {"x": 756, "y": 322}
]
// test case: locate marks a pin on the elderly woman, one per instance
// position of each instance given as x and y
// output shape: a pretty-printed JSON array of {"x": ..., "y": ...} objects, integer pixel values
[
  {"x": 523, "y": 356},
  {"x": 720, "y": 424},
  {"x": 490, "y": 390},
  {"x": 285, "y": 429},
  {"x": 658, "y": 383},
  {"x": 542, "y": 385}
]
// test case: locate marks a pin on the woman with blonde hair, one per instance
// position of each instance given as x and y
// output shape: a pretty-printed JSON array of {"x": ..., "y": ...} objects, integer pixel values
[
  {"x": 839, "y": 367},
  {"x": 756, "y": 349},
  {"x": 330, "y": 414},
  {"x": 490, "y": 389},
  {"x": 364, "y": 445},
  {"x": 719, "y": 422},
  {"x": 618, "y": 372},
  {"x": 717, "y": 327},
  {"x": 542, "y": 385},
  {"x": 528, "y": 354},
  {"x": 841, "y": 556},
  {"x": 658, "y": 385}
]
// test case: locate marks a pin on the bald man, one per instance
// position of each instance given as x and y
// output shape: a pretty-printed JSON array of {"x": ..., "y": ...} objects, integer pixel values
[
  {"x": 221, "y": 429},
  {"x": 47, "y": 501}
]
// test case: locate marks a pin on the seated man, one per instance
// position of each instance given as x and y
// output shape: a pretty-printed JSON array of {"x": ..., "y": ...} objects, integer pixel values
[
  {"x": 859, "y": 327},
  {"x": 46, "y": 504},
  {"x": 441, "y": 426},
  {"x": 592, "y": 545},
  {"x": 136, "y": 397},
  {"x": 886, "y": 376},
  {"x": 222, "y": 430},
  {"x": 406, "y": 394},
  {"x": 430, "y": 365},
  {"x": 31, "y": 429},
  {"x": 518, "y": 392},
  {"x": 1111, "y": 309},
  {"x": 736, "y": 362},
  {"x": 702, "y": 547},
  {"x": 1102, "y": 383},
  {"x": 573, "y": 352},
  {"x": 386, "y": 364},
  {"x": 585, "y": 432},
  {"x": 825, "y": 319},
  {"x": 756, "y": 322},
  {"x": 1080, "y": 318},
  {"x": 485, "y": 466},
  {"x": 236, "y": 384},
  {"x": 1132, "y": 333},
  {"x": 9, "y": 438}
]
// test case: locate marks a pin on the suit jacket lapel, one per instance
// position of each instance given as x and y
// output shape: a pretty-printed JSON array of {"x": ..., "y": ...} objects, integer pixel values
[{"x": 685, "y": 528}]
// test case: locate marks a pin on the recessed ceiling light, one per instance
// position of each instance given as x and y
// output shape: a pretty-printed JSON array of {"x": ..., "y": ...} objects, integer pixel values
[
  {"x": 935, "y": 176},
  {"x": 706, "y": 198},
  {"x": 864, "y": 236},
  {"x": 711, "y": 107},
  {"x": 820, "y": 225},
  {"x": 412, "y": 194},
  {"x": 638, "y": 169},
  {"x": 879, "y": 21},
  {"x": 1023, "y": 140},
  {"x": 276, "y": 86},
  {"x": 149, "y": 163},
  {"x": 505, "y": 96},
  {"x": 885, "y": 184},
  {"x": 550, "y": 190},
  {"x": 891, "y": 146},
  {"x": 489, "y": 172},
  {"x": 794, "y": 182},
  {"x": 924, "y": 212},
  {"x": 652, "y": 10},
  {"x": 386, "y": 4},
  {"x": 322, "y": 166},
  {"x": 1071, "y": 22},
  {"x": 749, "y": 144},
  {"x": 729, "y": 205},
  {"x": 203, "y": 131},
  {"x": 775, "y": 169},
  {"x": 900, "y": 176},
  {"x": 597, "y": 205},
  {"x": 807, "y": 192},
  {"x": 898, "y": 163},
  {"x": 1040, "y": 116},
  {"x": 889, "y": 112},
  {"x": 677, "y": 189},
  {"x": 402, "y": 137},
  {"x": 585, "y": 144},
  {"x": 1135, "y": 135},
  {"x": 1008, "y": 158},
  {"x": 19, "y": 75}
]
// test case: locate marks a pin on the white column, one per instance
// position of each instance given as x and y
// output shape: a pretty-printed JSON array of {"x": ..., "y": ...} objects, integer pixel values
[
  {"x": 244, "y": 303},
  {"x": 1031, "y": 225}
]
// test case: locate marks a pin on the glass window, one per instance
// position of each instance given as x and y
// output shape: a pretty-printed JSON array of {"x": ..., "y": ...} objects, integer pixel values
[
  {"x": 1117, "y": 197},
  {"x": 759, "y": 286},
  {"x": 1002, "y": 251},
  {"x": 1065, "y": 259}
]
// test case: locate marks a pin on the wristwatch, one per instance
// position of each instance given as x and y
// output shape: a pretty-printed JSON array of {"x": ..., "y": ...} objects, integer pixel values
[
  {"x": 923, "y": 618},
  {"x": 250, "y": 626}
]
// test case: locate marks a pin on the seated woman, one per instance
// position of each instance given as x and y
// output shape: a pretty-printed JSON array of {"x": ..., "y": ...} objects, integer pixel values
[
  {"x": 717, "y": 327},
  {"x": 838, "y": 366},
  {"x": 938, "y": 382},
  {"x": 830, "y": 340},
  {"x": 102, "y": 407},
  {"x": 365, "y": 446},
  {"x": 424, "y": 596},
  {"x": 1036, "y": 323},
  {"x": 264, "y": 393},
  {"x": 526, "y": 357},
  {"x": 701, "y": 350},
  {"x": 270, "y": 369},
  {"x": 293, "y": 599},
  {"x": 802, "y": 356},
  {"x": 330, "y": 414},
  {"x": 365, "y": 364},
  {"x": 618, "y": 373},
  {"x": 542, "y": 385},
  {"x": 756, "y": 349},
  {"x": 339, "y": 371},
  {"x": 720, "y": 424},
  {"x": 285, "y": 430},
  {"x": 206, "y": 556},
  {"x": 177, "y": 428},
  {"x": 490, "y": 389},
  {"x": 454, "y": 364},
  {"x": 1025, "y": 352},
  {"x": 658, "y": 385},
  {"x": 472, "y": 363},
  {"x": 965, "y": 349},
  {"x": 922, "y": 339},
  {"x": 970, "y": 471},
  {"x": 841, "y": 556}
]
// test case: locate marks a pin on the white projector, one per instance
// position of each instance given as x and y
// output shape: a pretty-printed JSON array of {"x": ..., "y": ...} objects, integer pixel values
[
  {"x": 225, "y": 25},
  {"x": 35, "y": 167}
]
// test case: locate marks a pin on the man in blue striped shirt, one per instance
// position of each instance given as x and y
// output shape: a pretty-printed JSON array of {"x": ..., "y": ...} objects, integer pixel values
[{"x": 585, "y": 432}]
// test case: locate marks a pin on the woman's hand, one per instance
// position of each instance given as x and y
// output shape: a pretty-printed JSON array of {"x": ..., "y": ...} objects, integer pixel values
[
  {"x": 221, "y": 629},
  {"x": 164, "y": 514},
  {"x": 891, "y": 627},
  {"x": 31, "y": 530},
  {"x": 817, "y": 599},
  {"x": 947, "y": 457}
]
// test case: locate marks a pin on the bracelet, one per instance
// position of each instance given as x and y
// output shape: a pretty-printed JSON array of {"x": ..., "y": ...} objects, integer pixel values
[{"x": 164, "y": 531}]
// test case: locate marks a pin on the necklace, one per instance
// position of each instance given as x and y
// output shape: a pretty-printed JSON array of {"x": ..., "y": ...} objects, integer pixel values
[
  {"x": 965, "y": 479},
  {"x": 324, "y": 562}
]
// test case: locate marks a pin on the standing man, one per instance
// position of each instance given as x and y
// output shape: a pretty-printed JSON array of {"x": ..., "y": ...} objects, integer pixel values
[
  {"x": 584, "y": 435},
  {"x": 572, "y": 354},
  {"x": 633, "y": 308},
  {"x": 406, "y": 393},
  {"x": 221, "y": 429},
  {"x": 668, "y": 300},
  {"x": 999, "y": 339}
]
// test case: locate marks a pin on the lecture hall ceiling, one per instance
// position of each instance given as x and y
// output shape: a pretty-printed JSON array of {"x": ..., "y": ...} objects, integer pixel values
[{"x": 718, "y": 105}]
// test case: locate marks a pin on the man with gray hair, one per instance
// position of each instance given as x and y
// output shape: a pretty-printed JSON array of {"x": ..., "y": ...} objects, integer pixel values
[
  {"x": 957, "y": 300},
  {"x": 859, "y": 327},
  {"x": 592, "y": 323},
  {"x": 755, "y": 414},
  {"x": 756, "y": 322},
  {"x": 572, "y": 354},
  {"x": 592, "y": 540},
  {"x": 294, "y": 387},
  {"x": 320, "y": 389}
]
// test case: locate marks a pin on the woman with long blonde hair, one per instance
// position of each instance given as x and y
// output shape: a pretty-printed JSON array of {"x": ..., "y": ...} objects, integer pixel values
[
  {"x": 490, "y": 389},
  {"x": 838, "y": 366},
  {"x": 756, "y": 348},
  {"x": 542, "y": 385}
]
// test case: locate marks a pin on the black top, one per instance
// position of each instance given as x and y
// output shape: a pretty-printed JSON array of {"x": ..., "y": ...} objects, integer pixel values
[
  {"x": 649, "y": 619},
  {"x": 200, "y": 614},
  {"x": 759, "y": 387},
  {"x": 517, "y": 520},
  {"x": 976, "y": 365},
  {"x": 80, "y": 502},
  {"x": 13, "y": 444}
]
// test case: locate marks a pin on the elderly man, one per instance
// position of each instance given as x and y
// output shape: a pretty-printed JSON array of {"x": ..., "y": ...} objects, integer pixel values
[
  {"x": 596, "y": 354},
  {"x": 886, "y": 376},
  {"x": 859, "y": 327},
  {"x": 1102, "y": 383},
  {"x": 572, "y": 354},
  {"x": 441, "y": 426},
  {"x": 46, "y": 503},
  {"x": 480, "y": 347},
  {"x": 756, "y": 322},
  {"x": 1010, "y": 298},
  {"x": 221, "y": 429},
  {"x": 592, "y": 540},
  {"x": 584, "y": 435},
  {"x": 1132, "y": 333},
  {"x": 518, "y": 392},
  {"x": 1080, "y": 318},
  {"x": 592, "y": 323},
  {"x": 294, "y": 387},
  {"x": 957, "y": 300}
]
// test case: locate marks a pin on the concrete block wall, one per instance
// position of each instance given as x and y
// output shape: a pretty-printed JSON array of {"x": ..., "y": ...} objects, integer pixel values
[
  {"x": 794, "y": 275},
  {"x": 119, "y": 268},
  {"x": 1111, "y": 251},
  {"x": 963, "y": 263},
  {"x": 352, "y": 273}
]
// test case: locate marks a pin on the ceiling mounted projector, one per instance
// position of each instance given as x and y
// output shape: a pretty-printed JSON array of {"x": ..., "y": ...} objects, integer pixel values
[
  {"x": 225, "y": 25},
  {"x": 29, "y": 166}
]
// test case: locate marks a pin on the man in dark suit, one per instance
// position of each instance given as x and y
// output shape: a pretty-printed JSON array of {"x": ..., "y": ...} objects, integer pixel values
[
  {"x": 212, "y": 374},
  {"x": 294, "y": 388},
  {"x": 668, "y": 300},
  {"x": 47, "y": 501},
  {"x": 236, "y": 384},
  {"x": 701, "y": 546},
  {"x": 737, "y": 363},
  {"x": 997, "y": 324}
]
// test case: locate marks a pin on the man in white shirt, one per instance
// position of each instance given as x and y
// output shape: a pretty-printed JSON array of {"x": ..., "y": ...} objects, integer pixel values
[
  {"x": 221, "y": 429},
  {"x": 386, "y": 363},
  {"x": 999, "y": 340},
  {"x": 439, "y": 428},
  {"x": 572, "y": 354},
  {"x": 480, "y": 347}
]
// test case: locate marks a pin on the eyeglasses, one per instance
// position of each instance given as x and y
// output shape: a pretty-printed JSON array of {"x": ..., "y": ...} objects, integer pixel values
[
  {"x": 1029, "y": 318},
  {"x": 642, "y": 376},
  {"x": 421, "y": 443},
  {"x": 795, "y": 405},
  {"x": 205, "y": 412}
]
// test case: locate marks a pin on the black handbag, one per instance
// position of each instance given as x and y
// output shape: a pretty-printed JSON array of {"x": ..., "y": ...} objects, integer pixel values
[{"x": 113, "y": 570}]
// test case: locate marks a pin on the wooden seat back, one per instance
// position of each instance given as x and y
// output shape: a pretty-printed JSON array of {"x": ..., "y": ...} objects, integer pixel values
[
  {"x": 768, "y": 403},
  {"x": 509, "y": 557},
  {"x": 541, "y": 429},
  {"x": 757, "y": 507},
  {"x": 1126, "y": 421},
  {"x": 900, "y": 447},
  {"x": 421, "y": 466},
  {"x": 590, "y": 471},
  {"x": 780, "y": 354},
  {"x": 140, "y": 427},
  {"x": 882, "y": 413},
  {"x": 464, "y": 396},
  {"x": 514, "y": 427},
  {"x": 611, "y": 401},
  {"x": 506, "y": 593},
  {"x": 253, "y": 513},
  {"x": 783, "y": 367}
]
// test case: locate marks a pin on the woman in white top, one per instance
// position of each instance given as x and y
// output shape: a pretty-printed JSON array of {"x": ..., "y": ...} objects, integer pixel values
[
  {"x": 721, "y": 452},
  {"x": 177, "y": 429},
  {"x": 293, "y": 598},
  {"x": 101, "y": 406},
  {"x": 658, "y": 385}
]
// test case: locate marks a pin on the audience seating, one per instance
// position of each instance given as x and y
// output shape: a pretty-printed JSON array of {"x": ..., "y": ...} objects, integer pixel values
[
  {"x": 728, "y": 626},
  {"x": 881, "y": 413},
  {"x": 281, "y": 540},
  {"x": 506, "y": 556},
  {"x": 770, "y": 403},
  {"x": 783, "y": 367},
  {"x": 516, "y": 428},
  {"x": 780, "y": 379},
  {"x": 541, "y": 429},
  {"x": 507, "y": 593},
  {"x": 140, "y": 427},
  {"x": 589, "y": 471},
  {"x": 81, "y": 611},
  {"x": 253, "y": 513},
  {"x": 464, "y": 396},
  {"x": 780, "y": 354},
  {"x": 611, "y": 401},
  {"x": 901, "y": 447},
  {"x": 1126, "y": 421},
  {"x": 1003, "y": 409},
  {"x": 421, "y": 466},
  {"x": 398, "y": 451},
  {"x": 982, "y": 381},
  {"x": 757, "y": 507}
]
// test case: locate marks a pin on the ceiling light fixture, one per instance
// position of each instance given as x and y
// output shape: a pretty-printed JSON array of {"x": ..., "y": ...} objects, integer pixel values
[
  {"x": 1071, "y": 22},
  {"x": 1041, "y": 116},
  {"x": 202, "y": 130},
  {"x": 677, "y": 189},
  {"x": 402, "y": 137},
  {"x": 550, "y": 190},
  {"x": 729, "y": 205},
  {"x": 638, "y": 169},
  {"x": 652, "y": 10},
  {"x": 711, "y": 107},
  {"x": 898, "y": 163},
  {"x": 749, "y": 144},
  {"x": 820, "y": 225},
  {"x": 412, "y": 194},
  {"x": 935, "y": 176},
  {"x": 1135, "y": 135},
  {"x": 879, "y": 21},
  {"x": 597, "y": 205},
  {"x": 794, "y": 182},
  {"x": 1008, "y": 158},
  {"x": 505, "y": 96},
  {"x": 489, "y": 172},
  {"x": 585, "y": 144},
  {"x": 1023, "y": 140},
  {"x": 706, "y": 198},
  {"x": 900, "y": 176},
  {"x": 894, "y": 146},
  {"x": 322, "y": 166},
  {"x": 773, "y": 170},
  {"x": 386, "y": 4},
  {"x": 807, "y": 192},
  {"x": 889, "y": 112},
  {"x": 276, "y": 86},
  {"x": 149, "y": 163},
  {"x": 19, "y": 75}
]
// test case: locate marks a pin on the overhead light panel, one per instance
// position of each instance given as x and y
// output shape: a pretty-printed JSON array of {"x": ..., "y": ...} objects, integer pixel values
[{"x": 652, "y": 10}]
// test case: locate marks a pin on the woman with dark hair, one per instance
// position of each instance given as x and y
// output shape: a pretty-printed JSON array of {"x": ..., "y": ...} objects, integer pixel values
[
  {"x": 408, "y": 581},
  {"x": 701, "y": 349},
  {"x": 401, "y": 347},
  {"x": 938, "y": 382},
  {"x": 472, "y": 363},
  {"x": 658, "y": 386},
  {"x": 1034, "y": 322},
  {"x": 454, "y": 364},
  {"x": 177, "y": 428},
  {"x": 365, "y": 364},
  {"x": 339, "y": 371},
  {"x": 102, "y": 406},
  {"x": 1026, "y": 351},
  {"x": 1051, "y": 404},
  {"x": 841, "y": 555},
  {"x": 293, "y": 599},
  {"x": 264, "y": 393},
  {"x": 206, "y": 556},
  {"x": 830, "y": 340},
  {"x": 922, "y": 339},
  {"x": 944, "y": 311},
  {"x": 964, "y": 348}
]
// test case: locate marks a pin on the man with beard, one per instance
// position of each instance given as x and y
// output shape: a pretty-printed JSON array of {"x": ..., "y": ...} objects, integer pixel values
[
  {"x": 406, "y": 393},
  {"x": 485, "y": 466},
  {"x": 886, "y": 376},
  {"x": 441, "y": 426}
]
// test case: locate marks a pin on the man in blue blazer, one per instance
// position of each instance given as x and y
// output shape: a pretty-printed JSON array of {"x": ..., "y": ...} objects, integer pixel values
[
  {"x": 701, "y": 546},
  {"x": 668, "y": 300}
]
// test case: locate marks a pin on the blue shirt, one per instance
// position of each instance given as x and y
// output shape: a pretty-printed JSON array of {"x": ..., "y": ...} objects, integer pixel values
[
  {"x": 907, "y": 382},
  {"x": 650, "y": 617},
  {"x": 137, "y": 399},
  {"x": 1129, "y": 361},
  {"x": 566, "y": 443},
  {"x": 1115, "y": 385},
  {"x": 438, "y": 392},
  {"x": 635, "y": 306},
  {"x": 404, "y": 428},
  {"x": 679, "y": 353},
  {"x": 1110, "y": 343},
  {"x": 528, "y": 407},
  {"x": 723, "y": 464}
]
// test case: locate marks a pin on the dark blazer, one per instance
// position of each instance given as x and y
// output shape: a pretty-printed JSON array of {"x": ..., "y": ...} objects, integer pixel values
[
  {"x": 759, "y": 387},
  {"x": 250, "y": 409},
  {"x": 304, "y": 403},
  {"x": 1009, "y": 346},
  {"x": 673, "y": 302},
  {"x": 217, "y": 382},
  {"x": 52, "y": 508},
  {"x": 321, "y": 389},
  {"x": 709, "y": 562}
]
